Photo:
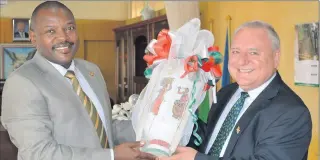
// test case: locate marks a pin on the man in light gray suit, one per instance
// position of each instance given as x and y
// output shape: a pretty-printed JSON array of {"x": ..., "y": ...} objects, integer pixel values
[{"x": 56, "y": 107}]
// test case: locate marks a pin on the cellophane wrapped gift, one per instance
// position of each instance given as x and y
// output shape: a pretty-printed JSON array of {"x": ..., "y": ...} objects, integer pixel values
[{"x": 181, "y": 67}]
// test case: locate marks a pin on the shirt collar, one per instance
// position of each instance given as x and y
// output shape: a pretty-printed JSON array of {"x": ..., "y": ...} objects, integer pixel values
[
  {"x": 255, "y": 92},
  {"x": 61, "y": 69}
]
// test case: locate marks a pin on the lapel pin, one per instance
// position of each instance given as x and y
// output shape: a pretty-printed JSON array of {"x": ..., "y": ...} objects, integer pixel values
[
  {"x": 91, "y": 74},
  {"x": 238, "y": 129}
]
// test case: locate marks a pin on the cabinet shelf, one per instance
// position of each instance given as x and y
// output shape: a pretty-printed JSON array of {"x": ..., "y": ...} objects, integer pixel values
[{"x": 131, "y": 41}]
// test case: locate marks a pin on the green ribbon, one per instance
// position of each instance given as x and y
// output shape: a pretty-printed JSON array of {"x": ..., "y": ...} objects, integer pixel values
[
  {"x": 148, "y": 72},
  {"x": 217, "y": 57},
  {"x": 198, "y": 139}
]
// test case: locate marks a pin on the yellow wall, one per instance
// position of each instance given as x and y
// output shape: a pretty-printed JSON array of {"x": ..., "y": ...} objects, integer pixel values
[
  {"x": 95, "y": 23},
  {"x": 97, "y": 41},
  {"x": 283, "y": 16},
  {"x": 111, "y": 10}
]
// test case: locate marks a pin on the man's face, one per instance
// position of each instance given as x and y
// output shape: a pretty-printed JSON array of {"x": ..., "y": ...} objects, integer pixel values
[
  {"x": 55, "y": 36},
  {"x": 252, "y": 60},
  {"x": 20, "y": 26}
]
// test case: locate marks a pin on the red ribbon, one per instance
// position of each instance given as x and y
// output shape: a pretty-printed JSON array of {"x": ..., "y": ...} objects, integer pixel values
[
  {"x": 190, "y": 65},
  {"x": 216, "y": 70},
  {"x": 161, "y": 47}
]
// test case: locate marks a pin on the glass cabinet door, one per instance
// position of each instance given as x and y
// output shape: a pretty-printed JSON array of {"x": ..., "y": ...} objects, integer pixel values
[
  {"x": 139, "y": 44},
  {"x": 158, "y": 26},
  {"x": 122, "y": 67},
  {"x": 131, "y": 42}
]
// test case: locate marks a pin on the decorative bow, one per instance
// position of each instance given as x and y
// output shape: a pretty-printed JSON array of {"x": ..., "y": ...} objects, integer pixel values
[
  {"x": 158, "y": 49},
  {"x": 210, "y": 64}
]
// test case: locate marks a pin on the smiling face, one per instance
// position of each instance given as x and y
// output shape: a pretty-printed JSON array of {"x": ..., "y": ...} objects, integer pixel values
[
  {"x": 20, "y": 26},
  {"x": 252, "y": 60},
  {"x": 54, "y": 34}
]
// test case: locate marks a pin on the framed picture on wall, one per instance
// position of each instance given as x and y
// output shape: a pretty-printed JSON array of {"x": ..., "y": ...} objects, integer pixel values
[
  {"x": 12, "y": 56},
  {"x": 20, "y": 29}
]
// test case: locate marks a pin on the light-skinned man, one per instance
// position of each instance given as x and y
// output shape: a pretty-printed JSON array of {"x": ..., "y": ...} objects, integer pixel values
[{"x": 259, "y": 116}]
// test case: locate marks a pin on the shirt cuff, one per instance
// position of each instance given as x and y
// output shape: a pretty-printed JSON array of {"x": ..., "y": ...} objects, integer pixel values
[{"x": 112, "y": 154}]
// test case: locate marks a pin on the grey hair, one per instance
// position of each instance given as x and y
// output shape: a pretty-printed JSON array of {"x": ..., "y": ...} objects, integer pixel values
[{"x": 273, "y": 35}]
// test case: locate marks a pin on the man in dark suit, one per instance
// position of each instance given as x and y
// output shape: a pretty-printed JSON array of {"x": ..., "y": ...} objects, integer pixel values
[
  {"x": 20, "y": 33},
  {"x": 259, "y": 116}
]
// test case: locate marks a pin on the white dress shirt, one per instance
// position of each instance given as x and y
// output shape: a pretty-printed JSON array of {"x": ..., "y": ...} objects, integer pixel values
[
  {"x": 22, "y": 34},
  {"x": 253, "y": 94},
  {"x": 86, "y": 89}
]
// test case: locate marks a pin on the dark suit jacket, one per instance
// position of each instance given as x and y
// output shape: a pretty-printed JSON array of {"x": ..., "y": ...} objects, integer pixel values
[
  {"x": 276, "y": 126},
  {"x": 17, "y": 35}
]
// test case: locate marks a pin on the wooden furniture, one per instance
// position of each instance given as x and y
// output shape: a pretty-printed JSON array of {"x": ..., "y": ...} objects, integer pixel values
[{"x": 131, "y": 41}]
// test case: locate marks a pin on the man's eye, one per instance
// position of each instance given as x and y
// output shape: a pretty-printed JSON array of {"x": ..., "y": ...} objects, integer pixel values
[
  {"x": 50, "y": 31},
  {"x": 254, "y": 53},
  {"x": 71, "y": 28},
  {"x": 235, "y": 52}
]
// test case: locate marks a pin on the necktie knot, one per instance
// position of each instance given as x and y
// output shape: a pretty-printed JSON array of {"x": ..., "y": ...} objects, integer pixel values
[
  {"x": 244, "y": 95},
  {"x": 70, "y": 74}
]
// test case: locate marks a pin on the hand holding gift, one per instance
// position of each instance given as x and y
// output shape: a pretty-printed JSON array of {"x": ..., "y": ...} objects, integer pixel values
[
  {"x": 185, "y": 153},
  {"x": 130, "y": 151}
]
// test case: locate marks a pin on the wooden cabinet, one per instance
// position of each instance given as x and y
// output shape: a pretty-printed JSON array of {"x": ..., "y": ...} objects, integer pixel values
[{"x": 131, "y": 41}]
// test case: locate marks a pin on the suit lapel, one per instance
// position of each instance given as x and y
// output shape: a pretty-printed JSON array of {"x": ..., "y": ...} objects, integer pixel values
[
  {"x": 59, "y": 83},
  {"x": 92, "y": 77},
  {"x": 53, "y": 76},
  {"x": 257, "y": 105},
  {"x": 215, "y": 112}
]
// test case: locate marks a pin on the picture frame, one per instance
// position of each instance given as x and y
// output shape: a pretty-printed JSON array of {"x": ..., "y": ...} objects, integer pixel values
[
  {"x": 20, "y": 29},
  {"x": 12, "y": 56}
]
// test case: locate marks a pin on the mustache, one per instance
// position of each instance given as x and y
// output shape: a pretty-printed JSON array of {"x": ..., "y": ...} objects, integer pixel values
[{"x": 62, "y": 44}]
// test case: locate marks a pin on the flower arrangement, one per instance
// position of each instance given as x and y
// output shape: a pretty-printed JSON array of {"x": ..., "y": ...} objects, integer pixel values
[{"x": 123, "y": 111}]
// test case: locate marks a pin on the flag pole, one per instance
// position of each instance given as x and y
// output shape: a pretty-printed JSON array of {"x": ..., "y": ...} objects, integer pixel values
[
  {"x": 211, "y": 22},
  {"x": 229, "y": 39},
  {"x": 228, "y": 18},
  {"x": 212, "y": 90}
]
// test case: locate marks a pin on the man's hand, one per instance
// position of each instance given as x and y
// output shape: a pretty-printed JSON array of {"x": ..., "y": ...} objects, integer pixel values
[
  {"x": 182, "y": 153},
  {"x": 131, "y": 151}
]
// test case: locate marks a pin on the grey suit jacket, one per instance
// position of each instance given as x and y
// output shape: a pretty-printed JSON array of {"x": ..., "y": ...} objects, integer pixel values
[
  {"x": 276, "y": 126},
  {"x": 46, "y": 120}
]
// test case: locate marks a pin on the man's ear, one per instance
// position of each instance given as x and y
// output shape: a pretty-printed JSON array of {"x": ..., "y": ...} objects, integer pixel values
[
  {"x": 33, "y": 38},
  {"x": 277, "y": 58}
]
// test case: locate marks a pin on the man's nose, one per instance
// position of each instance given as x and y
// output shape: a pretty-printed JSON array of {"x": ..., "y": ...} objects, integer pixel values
[
  {"x": 62, "y": 35},
  {"x": 243, "y": 58}
]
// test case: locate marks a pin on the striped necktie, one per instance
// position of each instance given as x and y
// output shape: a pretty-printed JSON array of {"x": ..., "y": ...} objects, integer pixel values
[
  {"x": 227, "y": 125},
  {"x": 89, "y": 106}
]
